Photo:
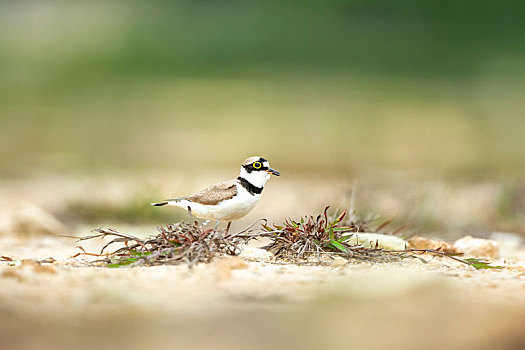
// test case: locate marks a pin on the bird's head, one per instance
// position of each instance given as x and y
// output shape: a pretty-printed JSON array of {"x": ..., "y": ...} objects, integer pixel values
[{"x": 257, "y": 171}]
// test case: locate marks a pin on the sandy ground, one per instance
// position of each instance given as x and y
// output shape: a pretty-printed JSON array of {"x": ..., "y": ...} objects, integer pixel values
[
  {"x": 236, "y": 303},
  {"x": 240, "y": 303}
]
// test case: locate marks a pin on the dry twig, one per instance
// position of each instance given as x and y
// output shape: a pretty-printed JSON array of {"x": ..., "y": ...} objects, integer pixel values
[{"x": 174, "y": 244}]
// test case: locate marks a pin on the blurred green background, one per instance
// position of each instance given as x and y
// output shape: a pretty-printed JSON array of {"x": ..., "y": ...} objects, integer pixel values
[{"x": 340, "y": 89}]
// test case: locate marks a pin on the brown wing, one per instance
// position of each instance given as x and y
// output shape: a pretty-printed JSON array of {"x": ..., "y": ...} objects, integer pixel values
[{"x": 215, "y": 194}]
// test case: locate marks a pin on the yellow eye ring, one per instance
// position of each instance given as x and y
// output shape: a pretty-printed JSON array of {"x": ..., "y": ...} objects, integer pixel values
[{"x": 257, "y": 165}]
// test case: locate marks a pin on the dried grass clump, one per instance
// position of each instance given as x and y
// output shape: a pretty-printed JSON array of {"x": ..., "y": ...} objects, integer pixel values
[
  {"x": 187, "y": 243},
  {"x": 312, "y": 240},
  {"x": 299, "y": 241},
  {"x": 307, "y": 241}
]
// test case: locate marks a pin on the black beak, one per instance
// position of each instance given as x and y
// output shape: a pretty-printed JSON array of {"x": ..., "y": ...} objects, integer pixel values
[{"x": 273, "y": 172}]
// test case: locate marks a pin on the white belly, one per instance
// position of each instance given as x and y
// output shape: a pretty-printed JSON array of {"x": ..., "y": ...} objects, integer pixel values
[{"x": 228, "y": 210}]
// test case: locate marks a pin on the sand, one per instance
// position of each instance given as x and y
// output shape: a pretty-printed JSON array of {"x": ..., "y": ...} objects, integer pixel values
[{"x": 238, "y": 303}]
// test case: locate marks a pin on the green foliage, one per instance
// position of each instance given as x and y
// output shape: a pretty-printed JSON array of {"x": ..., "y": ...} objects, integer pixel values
[
  {"x": 195, "y": 37},
  {"x": 337, "y": 245},
  {"x": 480, "y": 264}
]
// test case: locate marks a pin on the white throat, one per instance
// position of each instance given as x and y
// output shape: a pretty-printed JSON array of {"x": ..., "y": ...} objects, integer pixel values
[{"x": 256, "y": 178}]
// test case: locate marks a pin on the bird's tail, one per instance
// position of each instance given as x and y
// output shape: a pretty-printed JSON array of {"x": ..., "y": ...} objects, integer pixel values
[{"x": 168, "y": 201}]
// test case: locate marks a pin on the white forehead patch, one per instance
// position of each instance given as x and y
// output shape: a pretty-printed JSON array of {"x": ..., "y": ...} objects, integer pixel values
[{"x": 251, "y": 160}]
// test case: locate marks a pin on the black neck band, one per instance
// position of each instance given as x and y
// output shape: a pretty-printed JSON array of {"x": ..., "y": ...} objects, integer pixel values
[{"x": 253, "y": 190}]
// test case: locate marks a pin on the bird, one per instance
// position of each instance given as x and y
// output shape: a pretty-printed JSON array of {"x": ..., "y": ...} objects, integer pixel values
[{"x": 228, "y": 200}]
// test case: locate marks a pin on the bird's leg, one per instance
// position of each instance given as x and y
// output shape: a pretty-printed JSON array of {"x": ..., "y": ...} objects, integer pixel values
[
  {"x": 228, "y": 226},
  {"x": 216, "y": 224},
  {"x": 189, "y": 214}
]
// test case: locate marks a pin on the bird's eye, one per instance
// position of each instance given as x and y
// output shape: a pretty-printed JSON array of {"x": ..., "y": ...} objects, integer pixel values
[{"x": 257, "y": 165}]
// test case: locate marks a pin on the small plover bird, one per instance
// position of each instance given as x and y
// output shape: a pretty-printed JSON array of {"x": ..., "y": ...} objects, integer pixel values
[{"x": 229, "y": 200}]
